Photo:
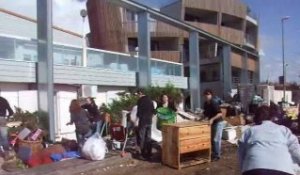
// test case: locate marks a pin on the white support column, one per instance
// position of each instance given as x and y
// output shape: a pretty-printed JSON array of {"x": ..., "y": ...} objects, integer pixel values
[
  {"x": 45, "y": 62},
  {"x": 194, "y": 61},
  {"x": 144, "y": 61}
]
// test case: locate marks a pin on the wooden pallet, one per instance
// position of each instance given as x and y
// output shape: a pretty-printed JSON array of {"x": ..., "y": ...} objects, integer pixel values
[{"x": 186, "y": 144}]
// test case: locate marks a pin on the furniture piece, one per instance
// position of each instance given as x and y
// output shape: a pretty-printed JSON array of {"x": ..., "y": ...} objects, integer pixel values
[{"x": 186, "y": 144}]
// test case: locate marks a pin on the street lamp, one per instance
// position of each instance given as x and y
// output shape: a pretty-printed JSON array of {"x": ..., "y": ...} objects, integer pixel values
[
  {"x": 283, "y": 59},
  {"x": 83, "y": 14}
]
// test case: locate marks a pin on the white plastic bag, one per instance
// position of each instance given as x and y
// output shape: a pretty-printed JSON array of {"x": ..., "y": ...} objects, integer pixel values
[{"x": 94, "y": 148}]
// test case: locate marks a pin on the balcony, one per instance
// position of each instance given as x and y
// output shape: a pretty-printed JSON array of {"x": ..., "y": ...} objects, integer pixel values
[
  {"x": 18, "y": 64},
  {"x": 157, "y": 28},
  {"x": 173, "y": 56},
  {"x": 250, "y": 41},
  {"x": 211, "y": 28},
  {"x": 232, "y": 35}
]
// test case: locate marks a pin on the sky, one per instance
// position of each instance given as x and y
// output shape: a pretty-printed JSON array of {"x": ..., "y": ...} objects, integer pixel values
[{"x": 269, "y": 12}]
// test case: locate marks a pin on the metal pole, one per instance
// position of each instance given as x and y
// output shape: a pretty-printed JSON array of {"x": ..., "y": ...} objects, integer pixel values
[
  {"x": 283, "y": 58},
  {"x": 45, "y": 62},
  {"x": 83, "y": 14},
  {"x": 84, "y": 56}
]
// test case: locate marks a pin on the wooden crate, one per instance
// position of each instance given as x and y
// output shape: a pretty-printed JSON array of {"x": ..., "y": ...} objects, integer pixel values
[{"x": 186, "y": 144}]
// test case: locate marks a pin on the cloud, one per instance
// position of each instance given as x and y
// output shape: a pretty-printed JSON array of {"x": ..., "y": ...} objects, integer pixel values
[
  {"x": 262, "y": 52},
  {"x": 66, "y": 13}
]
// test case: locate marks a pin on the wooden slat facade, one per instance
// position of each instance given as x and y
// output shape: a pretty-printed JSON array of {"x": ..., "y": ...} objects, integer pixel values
[
  {"x": 106, "y": 26},
  {"x": 236, "y": 60},
  {"x": 232, "y": 35},
  {"x": 252, "y": 65},
  {"x": 173, "y": 56}
]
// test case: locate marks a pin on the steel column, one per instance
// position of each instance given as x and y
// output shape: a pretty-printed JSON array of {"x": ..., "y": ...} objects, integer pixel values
[
  {"x": 227, "y": 69},
  {"x": 194, "y": 61},
  {"x": 45, "y": 62},
  {"x": 244, "y": 71},
  {"x": 144, "y": 62}
]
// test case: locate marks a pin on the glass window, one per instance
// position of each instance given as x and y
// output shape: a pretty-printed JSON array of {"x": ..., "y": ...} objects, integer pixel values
[
  {"x": 111, "y": 61},
  {"x": 67, "y": 55},
  {"x": 94, "y": 58},
  {"x": 7, "y": 50},
  {"x": 26, "y": 50},
  {"x": 177, "y": 70},
  {"x": 128, "y": 63}
]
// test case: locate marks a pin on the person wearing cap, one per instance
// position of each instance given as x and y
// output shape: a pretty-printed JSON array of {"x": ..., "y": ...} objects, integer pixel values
[
  {"x": 213, "y": 112},
  {"x": 145, "y": 112}
]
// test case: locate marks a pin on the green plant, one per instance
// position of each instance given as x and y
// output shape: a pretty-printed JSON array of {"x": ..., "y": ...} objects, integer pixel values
[
  {"x": 127, "y": 100},
  {"x": 28, "y": 119},
  {"x": 155, "y": 93},
  {"x": 32, "y": 121}
]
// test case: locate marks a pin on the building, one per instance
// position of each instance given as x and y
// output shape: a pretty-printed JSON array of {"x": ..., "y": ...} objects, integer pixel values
[
  {"x": 116, "y": 28},
  {"x": 106, "y": 73}
]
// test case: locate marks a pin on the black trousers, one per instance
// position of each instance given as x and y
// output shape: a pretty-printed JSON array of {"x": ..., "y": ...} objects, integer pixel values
[
  {"x": 144, "y": 140},
  {"x": 264, "y": 172}
]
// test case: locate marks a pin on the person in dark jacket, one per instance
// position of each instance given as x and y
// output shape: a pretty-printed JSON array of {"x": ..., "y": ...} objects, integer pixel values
[
  {"x": 5, "y": 112},
  {"x": 213, "y": 112},
  {"x": 79, "y": 117},
  {"x": 94, "y": 113},
  {"x": 145, "y": 112}
]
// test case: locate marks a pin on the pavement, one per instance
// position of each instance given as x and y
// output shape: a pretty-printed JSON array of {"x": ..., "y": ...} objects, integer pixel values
[{"x": 116, "y": 165}]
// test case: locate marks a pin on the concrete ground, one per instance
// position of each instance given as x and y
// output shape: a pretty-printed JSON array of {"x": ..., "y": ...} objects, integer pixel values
[{"x": 115, "y": 165}]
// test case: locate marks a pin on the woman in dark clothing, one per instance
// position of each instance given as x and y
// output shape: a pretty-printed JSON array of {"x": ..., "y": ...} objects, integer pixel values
[
  {"x": 79, "y": 117},
  {"x": 94, "y": 113}
]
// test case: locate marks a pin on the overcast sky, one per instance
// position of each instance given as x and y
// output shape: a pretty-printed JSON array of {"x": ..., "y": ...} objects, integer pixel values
[{"x": 66, "y": 15}]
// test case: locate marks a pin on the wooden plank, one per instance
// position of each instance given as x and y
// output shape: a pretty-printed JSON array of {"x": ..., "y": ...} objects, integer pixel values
[
  {"x": 195, "y": 147},
  {"x": 193, "y": 162},
  {"x": 204, "y": 139},
  {"x": 187, "y": 124},
  {"x": 193, "y": 132},
  {"x": 169, "y": 147}
]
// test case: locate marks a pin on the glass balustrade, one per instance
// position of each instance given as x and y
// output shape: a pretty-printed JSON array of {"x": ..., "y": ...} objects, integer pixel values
[{"x": 23, "y": 49}]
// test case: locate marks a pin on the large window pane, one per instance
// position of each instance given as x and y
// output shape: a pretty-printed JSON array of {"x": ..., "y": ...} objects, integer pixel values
[
  {"x": 67, "y": 55},
  {"x": 26, "y": 50},
  {"x": 95, "y": 59},
  {"x": 7, "y": 48}
]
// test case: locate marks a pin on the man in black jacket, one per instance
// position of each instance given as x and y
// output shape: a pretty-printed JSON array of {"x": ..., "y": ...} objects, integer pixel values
[
  {"x": 145, "y": 112},
  {"x": 5, "y": 111},
  {"x": 213, "y": 112}
]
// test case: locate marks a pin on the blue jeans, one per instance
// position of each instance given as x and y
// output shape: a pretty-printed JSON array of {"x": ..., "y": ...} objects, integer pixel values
[
  {"x": 4, "y": 137},
  {"x": 216, "y": 138}
]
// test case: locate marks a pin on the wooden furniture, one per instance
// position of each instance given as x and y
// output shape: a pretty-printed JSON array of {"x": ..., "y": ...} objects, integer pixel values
[{"x": 186, "y": 144}]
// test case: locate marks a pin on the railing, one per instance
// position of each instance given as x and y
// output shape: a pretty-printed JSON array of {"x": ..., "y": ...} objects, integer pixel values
[
  {"x": 26, "y": 50},
  {"x": 173, "y": 56},
  {"x": 157, "y": 27}
]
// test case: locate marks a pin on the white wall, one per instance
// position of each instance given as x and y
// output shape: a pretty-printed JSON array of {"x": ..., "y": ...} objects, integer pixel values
[{"x": 278, "y": 95}]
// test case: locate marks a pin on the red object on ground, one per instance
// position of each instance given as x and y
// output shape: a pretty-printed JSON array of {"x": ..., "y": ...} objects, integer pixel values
[
  {"x": 44, "y": 156},
  {"x": 118, "y": 132}
]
